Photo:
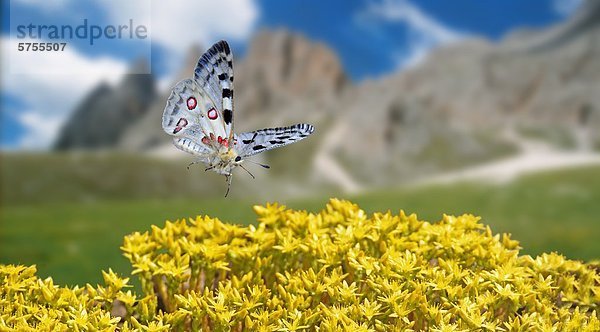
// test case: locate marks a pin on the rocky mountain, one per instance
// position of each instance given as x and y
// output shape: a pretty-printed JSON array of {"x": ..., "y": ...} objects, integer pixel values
[
  {"x": 106, "y": 113},
  {"x": 467, "y": 103},
  {"x": 281, "y": 68},
  {"x": 474, "y": 101}
]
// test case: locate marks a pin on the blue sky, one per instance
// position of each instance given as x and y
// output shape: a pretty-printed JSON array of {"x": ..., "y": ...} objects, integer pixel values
[
  {"x": 356, "y": 36},
  {"x": 372, "y": 38}
]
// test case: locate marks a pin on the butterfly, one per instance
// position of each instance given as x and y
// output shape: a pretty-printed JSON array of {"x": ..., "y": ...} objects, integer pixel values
[{"x": 199, "y": 116}]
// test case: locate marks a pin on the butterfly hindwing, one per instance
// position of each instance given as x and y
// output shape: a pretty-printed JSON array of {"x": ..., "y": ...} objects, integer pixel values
[
  {"x": 214, "y": 73},
  {"x": 187, "y": 117},
  {"x": 254, "y": 142}
]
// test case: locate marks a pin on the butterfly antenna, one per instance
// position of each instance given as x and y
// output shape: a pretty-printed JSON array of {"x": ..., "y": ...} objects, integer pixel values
[
  {"x": 247, "y": 171},
  {"x": 259, "y": 164}
]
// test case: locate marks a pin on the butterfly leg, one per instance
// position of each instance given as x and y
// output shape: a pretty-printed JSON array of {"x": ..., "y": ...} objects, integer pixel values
[
  {"x": 192, "y": 163},
  {"x": 228, "y": 178}
]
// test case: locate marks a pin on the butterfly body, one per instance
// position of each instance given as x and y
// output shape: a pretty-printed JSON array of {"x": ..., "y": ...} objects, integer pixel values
[{"x": 199, "y": 116}]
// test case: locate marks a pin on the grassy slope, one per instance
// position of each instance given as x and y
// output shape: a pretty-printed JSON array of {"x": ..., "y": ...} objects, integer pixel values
[
  {"x": 84, "y": 177},
  {"x": 72, "y": 241}
]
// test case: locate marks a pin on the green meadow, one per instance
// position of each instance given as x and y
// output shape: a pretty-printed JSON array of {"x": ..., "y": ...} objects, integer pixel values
[{"x": 72, "y": 238}]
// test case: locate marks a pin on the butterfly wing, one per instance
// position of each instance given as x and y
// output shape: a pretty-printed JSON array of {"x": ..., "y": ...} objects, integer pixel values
[
  {"x": 199, "y": 111},
  {"x": 186, "y": 118},
  {"x": 214, "y": 73},
  {"x": 254, "y": 142}
]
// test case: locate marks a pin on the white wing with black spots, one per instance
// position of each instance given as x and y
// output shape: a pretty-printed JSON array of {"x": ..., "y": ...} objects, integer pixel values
[
  {"x": 254, "y": 142},
  {"x": 187, "y": 115},
  {"x": 214, "y": 73}
]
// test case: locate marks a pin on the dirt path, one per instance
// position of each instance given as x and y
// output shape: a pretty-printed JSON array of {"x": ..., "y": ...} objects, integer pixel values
[
  {"x": 328, "y": 167},
  {"x": 534, "y": 156},
  {"x": 511, "y": 168}
]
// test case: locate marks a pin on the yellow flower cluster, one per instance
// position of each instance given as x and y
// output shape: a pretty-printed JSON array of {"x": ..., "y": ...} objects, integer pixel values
[
  {"x": 343, "y": 270},
  {"x": 339, "y": 269},
  {"x": 28, "y": 303}
]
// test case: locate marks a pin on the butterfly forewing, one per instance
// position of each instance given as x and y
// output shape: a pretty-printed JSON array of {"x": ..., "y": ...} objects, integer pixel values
[
  {"x": 214, "y": 72},
  {"x": 254, "y": 142}
]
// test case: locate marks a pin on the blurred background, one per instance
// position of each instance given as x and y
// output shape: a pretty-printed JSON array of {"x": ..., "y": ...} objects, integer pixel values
[{"x": 490, "y": 108}]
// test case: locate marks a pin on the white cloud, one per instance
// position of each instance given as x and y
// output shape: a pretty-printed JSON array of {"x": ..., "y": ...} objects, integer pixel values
[
  {"x": 425, "y": 32},
  {"x": 41, "y": 129},
  {"x": 404, "y": 11},
  {"x": 39, "y": 81},
  {"x": 566, "y": 7},
  {"x": 413, "y": 55},
  {"x": 178, "y": 24}
]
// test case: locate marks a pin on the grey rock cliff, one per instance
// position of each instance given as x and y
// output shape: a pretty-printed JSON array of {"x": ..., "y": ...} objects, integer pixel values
[{"x": 106, "y": 113}]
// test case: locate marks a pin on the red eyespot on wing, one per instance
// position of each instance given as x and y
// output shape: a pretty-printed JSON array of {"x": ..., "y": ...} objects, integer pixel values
[
  {"x": 212, "y": 114},
  {"x": 205, "y": 140},
  {"x": 182, "y": 122},
  {"x": 191, "y": 103}
]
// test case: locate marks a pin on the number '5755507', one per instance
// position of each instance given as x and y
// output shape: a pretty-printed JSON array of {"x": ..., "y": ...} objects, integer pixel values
[{"x": 41, "y": 47}]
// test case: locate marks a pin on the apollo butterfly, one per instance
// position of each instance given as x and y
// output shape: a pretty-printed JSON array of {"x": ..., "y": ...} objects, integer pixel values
[{"x": 199, "y": 114}]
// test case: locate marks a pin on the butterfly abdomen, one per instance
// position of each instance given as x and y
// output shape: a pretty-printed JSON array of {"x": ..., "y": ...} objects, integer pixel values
[{"x": 188, "y": 145}]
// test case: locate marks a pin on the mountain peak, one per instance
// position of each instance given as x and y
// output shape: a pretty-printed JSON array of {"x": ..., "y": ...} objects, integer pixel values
[
  {"x": 289, "y": 66},
  {"x": 107, "y": 112}
]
